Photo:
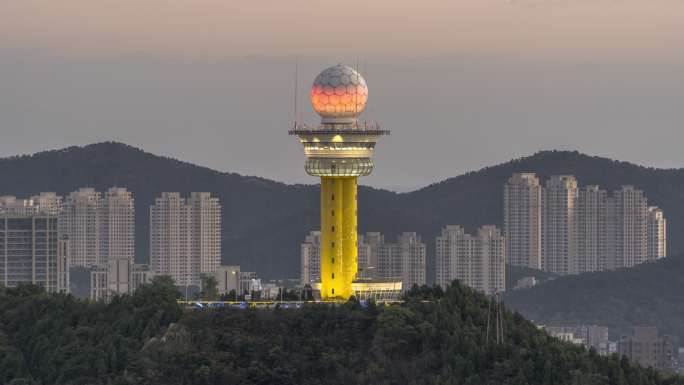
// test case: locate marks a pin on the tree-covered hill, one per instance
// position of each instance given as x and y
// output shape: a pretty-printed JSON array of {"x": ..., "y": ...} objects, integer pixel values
[
  {"x": 435, "y": 338},
  {"x": 650, "y": 294},
  {"x": 264, "y": 221}
]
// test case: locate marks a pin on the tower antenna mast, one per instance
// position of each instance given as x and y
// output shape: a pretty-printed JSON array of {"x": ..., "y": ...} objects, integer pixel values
[
  {"x": 365, "y": 73},
  {"x": 296, "y": 90},
  {"x": 356, "y": 103}
]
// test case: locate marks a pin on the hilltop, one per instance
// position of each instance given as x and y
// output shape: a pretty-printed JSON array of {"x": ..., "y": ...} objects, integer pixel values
[{"x": 436, "y": 337}]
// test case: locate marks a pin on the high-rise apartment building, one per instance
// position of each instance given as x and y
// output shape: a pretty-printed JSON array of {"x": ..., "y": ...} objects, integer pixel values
[
  {"x": 558, "y": 227},
  {"x": 627, "y": 228},
  {"x": 99, "y": 228},
  {"x": 367, "y": 260},
  {"x": 169, "y": 238},
  {"x": 454, "y": 254},
  {"x": 476, "y": 261},
  {"x": 117, "y": 218},
  {"x": 404, "y": 260},
  {"x": 490, "y": 261},
  {"x": 31, "y": 252},
  {"x": 80, "y": 222},
  {"x": 410, "y": 250},
  {"x": 379, "y": 264},
  {"x": 592, "y": 205},
  {"x": 522, "y": 220},
  {"x": 205, "y": 231},
  {"x": 657, "y": 234},
  {"x": 310, "y": 259},
  {"x": 101, "y": 233},
  {"x": 185, "y": 236},
  {"x": 388, "y": 261},
  {"x": 582, "y": 229}
]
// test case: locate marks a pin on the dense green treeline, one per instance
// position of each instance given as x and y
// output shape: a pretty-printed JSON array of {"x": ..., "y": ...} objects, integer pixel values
[
  {"x": 437, "y": 337},
  {"x": 56, "y": 339}
]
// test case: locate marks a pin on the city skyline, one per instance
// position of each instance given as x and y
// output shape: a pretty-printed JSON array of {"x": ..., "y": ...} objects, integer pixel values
[
  {"x": 562, "y": 228},
  {"x": 589, "y": 244},
  {"x": 160, "y": 223}
]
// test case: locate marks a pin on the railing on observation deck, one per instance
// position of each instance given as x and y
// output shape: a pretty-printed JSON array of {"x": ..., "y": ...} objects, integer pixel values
[{"x": 368, "y": 128}]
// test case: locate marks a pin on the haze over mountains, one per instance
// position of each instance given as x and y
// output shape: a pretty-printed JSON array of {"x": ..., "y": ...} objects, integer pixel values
[{"x": 264, "y": 221}]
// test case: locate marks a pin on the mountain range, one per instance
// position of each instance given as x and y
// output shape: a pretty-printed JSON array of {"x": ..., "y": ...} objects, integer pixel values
[{"x": 265, "y": 221}]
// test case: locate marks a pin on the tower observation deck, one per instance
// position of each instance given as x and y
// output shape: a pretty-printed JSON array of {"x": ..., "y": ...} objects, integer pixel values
[{"x": 339, "y": 150}]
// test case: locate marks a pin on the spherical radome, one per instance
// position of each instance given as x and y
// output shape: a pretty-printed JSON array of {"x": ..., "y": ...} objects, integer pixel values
[{"x": 339, "y": 94}]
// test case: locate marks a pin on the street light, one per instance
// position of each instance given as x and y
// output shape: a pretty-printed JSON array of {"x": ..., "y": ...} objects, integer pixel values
[{"x": 236, "y": 286}]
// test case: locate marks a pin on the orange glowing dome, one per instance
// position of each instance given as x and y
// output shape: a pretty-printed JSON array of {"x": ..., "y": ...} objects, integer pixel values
[{"x": 339, "y": 94}]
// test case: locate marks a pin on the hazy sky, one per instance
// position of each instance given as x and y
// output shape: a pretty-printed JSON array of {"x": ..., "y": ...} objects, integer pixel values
[{"x": 462, "y": 84}]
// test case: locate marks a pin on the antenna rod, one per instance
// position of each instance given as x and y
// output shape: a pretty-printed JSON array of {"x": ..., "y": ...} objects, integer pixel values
[
  {"x": 296, "y": 89},
  {"x": 365, "y": 74},
  {"x": 356, "y": 103}
]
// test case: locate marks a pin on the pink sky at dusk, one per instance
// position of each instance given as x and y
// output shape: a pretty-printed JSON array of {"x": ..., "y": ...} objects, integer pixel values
[{"x": 354, "y": 27}]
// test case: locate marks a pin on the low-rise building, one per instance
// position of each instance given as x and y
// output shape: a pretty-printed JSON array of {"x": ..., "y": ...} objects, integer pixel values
[
  {"x": 249, "y": 282},
  {"x": 647, "y": 348},
  {"x": 140, "y": 275},
  {"x": 227, "y": 279},
  {"x": 270, "y": 291},
  {"x": 525, "y": 283},
  {"x": 567, "y": 337},
  {"x": 591, "y": 336},
  {"x": 118, "y": 277},
  {"x": 110, "y": 279}
]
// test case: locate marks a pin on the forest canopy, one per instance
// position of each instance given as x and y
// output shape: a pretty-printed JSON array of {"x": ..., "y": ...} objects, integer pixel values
[{"x": 435, "y": 337}]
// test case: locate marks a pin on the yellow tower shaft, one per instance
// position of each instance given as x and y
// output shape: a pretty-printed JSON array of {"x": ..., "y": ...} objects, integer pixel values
[{"x": 339, "y": 248}]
